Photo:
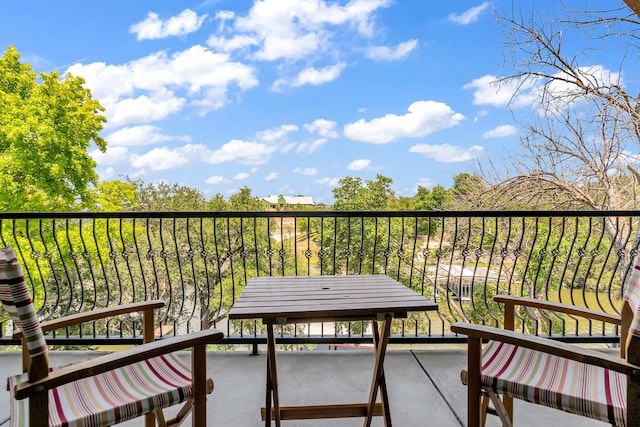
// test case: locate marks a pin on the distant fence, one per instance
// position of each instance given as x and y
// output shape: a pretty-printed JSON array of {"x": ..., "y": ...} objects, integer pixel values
[{"x": 199, "y": 262}]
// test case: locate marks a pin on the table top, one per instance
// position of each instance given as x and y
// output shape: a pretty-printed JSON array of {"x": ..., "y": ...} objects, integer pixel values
[{"x": 326, "y": 298}]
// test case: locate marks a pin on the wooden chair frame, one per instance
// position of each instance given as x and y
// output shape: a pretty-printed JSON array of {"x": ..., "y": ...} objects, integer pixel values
[
  {"x": 41, "y": 381},
  {"x": 628, "y": 363}
]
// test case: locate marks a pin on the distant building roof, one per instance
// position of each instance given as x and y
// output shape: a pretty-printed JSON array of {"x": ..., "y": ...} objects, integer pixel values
[{"x": 290, "y": 200}]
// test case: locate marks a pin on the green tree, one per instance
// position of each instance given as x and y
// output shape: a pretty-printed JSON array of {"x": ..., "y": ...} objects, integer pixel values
[
  {"x": 245, "y": 201},
  {"x": 115, "y": 196},
  {"x": 438, "y": 198},
  {"x": 351, "y": 194},
  {"x": 217, "y": 203},
  {"x": 47, "y": 124},
  {"x": 465, "y": 184},
  {"x": 162, "y": 196}
]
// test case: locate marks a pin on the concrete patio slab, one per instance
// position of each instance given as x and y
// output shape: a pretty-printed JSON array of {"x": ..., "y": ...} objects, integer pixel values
[
  {"x": 444, "y": 366},
  {"x": 424, "y": 387}
]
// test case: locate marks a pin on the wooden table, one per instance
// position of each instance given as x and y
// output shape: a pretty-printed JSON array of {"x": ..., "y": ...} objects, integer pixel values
[{"x": 305, "y": 299}]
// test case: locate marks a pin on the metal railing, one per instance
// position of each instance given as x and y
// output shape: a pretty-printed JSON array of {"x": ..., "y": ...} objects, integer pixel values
[{"x": 199, "y": 262}]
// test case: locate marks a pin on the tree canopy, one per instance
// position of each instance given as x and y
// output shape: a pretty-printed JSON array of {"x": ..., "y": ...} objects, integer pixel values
[{"x": 47, "y": 124}]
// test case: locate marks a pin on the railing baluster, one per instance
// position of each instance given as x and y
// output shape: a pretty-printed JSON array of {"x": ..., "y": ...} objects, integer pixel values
[{"x": 81, "y": 261}]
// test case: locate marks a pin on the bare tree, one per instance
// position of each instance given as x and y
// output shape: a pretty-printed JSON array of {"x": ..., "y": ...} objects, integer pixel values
[{"x": 581, "y": 124}]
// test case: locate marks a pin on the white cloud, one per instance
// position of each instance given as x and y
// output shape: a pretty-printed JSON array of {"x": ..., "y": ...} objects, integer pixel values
[
  {"x": 275, "y": 134},
  {"x": 225, "y": 15},
  {"x": 163, "y": 158},
  {"x": 446, "y": 153},
  {"x": 157, "y": 85},
  {"x": 143, "y": 108},
  {"x": 470, "y": 15},
  {"x": 490, "y": 90},
  {"x": 358, "y": 165},
  {"x": 385, "y": 53},
  {"x": 310, "y": 147},
  {"x": 311, "y": 76},
  {"x": 306, "y": 171},
  {"x": 331, "y": 182},
  {"x": 215, "y": 180},
  {"x": 251, "y": 153},
  {"x": 160, "y": 158},
  {"x": 271, "y": 176},
  {"x": 423, "y": 118},
  {"x": 141, "y": 135},
  {"x": 112, "y": 156},
  {"x": 501, "y": 131},
  {"x": 107, "y": 173},
  {"x": 296, "y": 32},
  {"x": 229, "y": 44},
  {"x": 323, "y": 127},
  {"x": 285, "y": 148},
  {"x": 240, "y": 176},
  {"x": 214, "y": 98},
  {"x": 564, "y": 89},
  {"x": 292, "y": 30},
  {"x": 153, "y": 27}
]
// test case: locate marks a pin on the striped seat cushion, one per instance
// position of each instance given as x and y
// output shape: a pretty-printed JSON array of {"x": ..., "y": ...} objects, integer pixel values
[
  {"x": 114, "y": 396},
  {"x": 632, "y": 296},
  {"x": 556, "y": 382}
]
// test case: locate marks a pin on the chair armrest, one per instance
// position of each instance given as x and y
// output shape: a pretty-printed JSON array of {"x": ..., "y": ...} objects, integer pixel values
[
  {"x": 115, "y": 360},
  {"x": 99, "y": 313},
  {"x": 558, "y": 307},
  {"x": 546, "y": 345}
]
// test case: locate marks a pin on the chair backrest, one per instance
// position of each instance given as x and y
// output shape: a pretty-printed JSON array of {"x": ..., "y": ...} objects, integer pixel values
[
  {"x": 630, "y": 328},
  {"x": 15, "y": 297}
]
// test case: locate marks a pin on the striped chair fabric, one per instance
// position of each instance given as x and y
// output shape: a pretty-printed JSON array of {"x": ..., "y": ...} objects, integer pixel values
[
  {"x": 555, "y": 382},
  {"x": 14, "y": 295},
  {"x": 114, "y": 396},
  {"x": 559, "y": 383},
  {"x": 104, "y": 399},
  {"x": 632, "y": 296}
]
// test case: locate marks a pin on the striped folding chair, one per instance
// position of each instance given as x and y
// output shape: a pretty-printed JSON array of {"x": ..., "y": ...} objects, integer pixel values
[
  {"x": 574, "y": 379},
  {"x": 108, "y": 389}
]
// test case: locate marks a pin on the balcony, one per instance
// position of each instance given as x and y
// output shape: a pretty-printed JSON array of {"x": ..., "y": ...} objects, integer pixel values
[
  {"x": 424, "y": 387},
  {"x": 198, "y": 263}
]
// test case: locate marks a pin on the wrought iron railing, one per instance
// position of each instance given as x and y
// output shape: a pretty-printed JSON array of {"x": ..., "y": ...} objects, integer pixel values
[{"x": 199, "y": 262}]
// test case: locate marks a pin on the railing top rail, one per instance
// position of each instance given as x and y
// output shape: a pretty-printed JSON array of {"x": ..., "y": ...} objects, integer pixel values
[{"x": 318, "y": 213}]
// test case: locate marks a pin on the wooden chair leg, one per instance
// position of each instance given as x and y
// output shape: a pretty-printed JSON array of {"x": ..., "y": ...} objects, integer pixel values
[
  {"x": 159, "y": 415},
  {"x": 483, "y": 410},
  {"x": 150, "y": 420},
  {"x": 501, "y": 410},
  {"x": 508, "y": 406},
  {"x": 199, "y": 379},
  {"x": 39, "y": 405},
  {"x": 474, "y": 392},
  {"x": 633, "y": 395},
  {"x": 180, "y": 416}
]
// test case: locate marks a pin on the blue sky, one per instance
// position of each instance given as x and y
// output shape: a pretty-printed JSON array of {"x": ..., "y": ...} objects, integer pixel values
[{"x": 282, "y": 96}]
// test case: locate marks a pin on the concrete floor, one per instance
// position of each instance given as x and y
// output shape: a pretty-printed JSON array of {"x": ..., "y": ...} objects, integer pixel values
[{"x": 424, "y": 387}]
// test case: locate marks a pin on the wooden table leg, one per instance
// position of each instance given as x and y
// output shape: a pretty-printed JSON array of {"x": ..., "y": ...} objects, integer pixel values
[
  {"x": 267, "y": 416},
  {"x": 378, "y": 380},
  {"x": 384, "y": 397},
  {"x": 272, "y": 379}
]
